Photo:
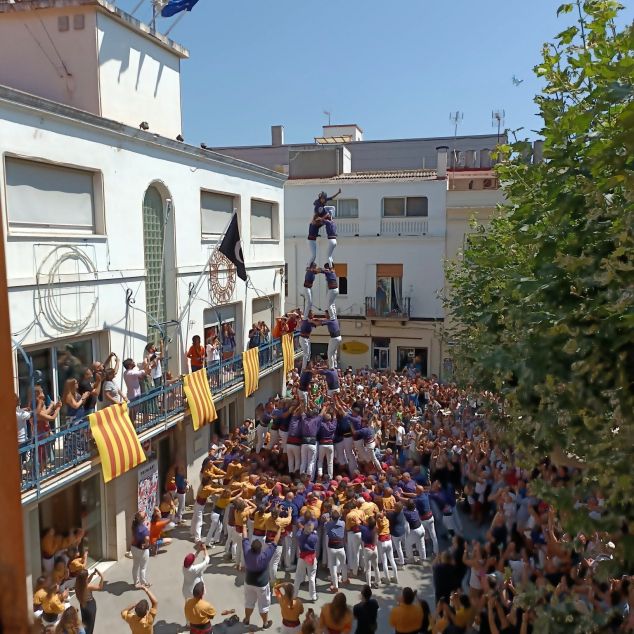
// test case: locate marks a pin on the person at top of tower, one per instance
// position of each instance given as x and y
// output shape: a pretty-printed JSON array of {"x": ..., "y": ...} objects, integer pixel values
[{"x": 323, "y": 215}]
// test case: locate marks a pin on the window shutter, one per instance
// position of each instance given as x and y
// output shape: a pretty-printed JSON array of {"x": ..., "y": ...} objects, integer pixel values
[{"x": 389, "y": 270}]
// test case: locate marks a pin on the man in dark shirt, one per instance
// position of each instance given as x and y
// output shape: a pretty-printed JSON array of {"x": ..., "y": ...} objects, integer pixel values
[
  {"x": 90, "y": 383},
  {"x": 366, "y": 612}
]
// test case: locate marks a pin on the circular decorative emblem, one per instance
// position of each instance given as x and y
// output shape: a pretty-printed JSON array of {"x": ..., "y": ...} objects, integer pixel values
[{"x": 222, "y": 278}]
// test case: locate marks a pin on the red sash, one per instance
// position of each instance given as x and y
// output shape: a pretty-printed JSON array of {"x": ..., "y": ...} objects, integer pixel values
[{"x": 308, "y": 557}]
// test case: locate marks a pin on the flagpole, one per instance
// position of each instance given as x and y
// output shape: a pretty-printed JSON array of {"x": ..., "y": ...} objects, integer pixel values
[{"x": 176, "y": 21}]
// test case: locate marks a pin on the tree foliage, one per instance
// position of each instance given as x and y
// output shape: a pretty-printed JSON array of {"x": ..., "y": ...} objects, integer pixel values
[{"x": 542, "y": 300}]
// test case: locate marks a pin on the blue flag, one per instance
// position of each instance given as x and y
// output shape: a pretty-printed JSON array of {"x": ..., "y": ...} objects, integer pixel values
[{"x": 176, "y": 6}]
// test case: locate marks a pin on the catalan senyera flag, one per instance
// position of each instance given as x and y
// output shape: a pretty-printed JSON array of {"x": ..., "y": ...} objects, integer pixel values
[
  {"x": 288, "y": 351},
  {"x": 118, "y": 445},
  {"x": 199, "y": 399},
  {"x": 251, "y": 365}
]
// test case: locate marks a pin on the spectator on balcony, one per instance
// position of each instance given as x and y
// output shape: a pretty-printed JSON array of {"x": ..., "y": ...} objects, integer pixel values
[
  {"x": 111, "y": 393},
  {"x": 196, "y": 354},
  {"x": 133, "y": 377},
  {"x": 212, "y": 351},
  {"x": 91, "y": 383},
  {"x": 228, "y": 341},
  {"x": 152, "y": 360},
  {"x": 73, "y": 401},
  {"x": 254, "y": 337},
  {"x": 24, "y": 428}
]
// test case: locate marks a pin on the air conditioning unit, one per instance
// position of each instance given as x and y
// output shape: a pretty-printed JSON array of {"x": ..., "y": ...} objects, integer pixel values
[{"x": 488, "y": 183}]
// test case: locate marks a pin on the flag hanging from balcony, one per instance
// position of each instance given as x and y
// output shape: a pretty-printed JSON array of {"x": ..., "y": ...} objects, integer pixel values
[
  {"x": 251, "y": 365},
  {"x": 288, "y": 350},
  {"x": 199, "y": 399},
  {"x": 118, "y": 445}
]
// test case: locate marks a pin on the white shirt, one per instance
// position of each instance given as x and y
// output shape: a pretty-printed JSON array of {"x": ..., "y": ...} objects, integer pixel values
[
  {"x": 192, "y": 575},
  {"x": 157, "y": 370},
  {"x": 400, "y": 432},
  {"x": 212, "y": 353},
  {"x": 22, "y": 416}
]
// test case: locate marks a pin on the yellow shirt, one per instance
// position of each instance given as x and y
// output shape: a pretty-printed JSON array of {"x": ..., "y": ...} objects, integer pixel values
[
  {"x": 248, "y": 491},
  {"x": 354, "y": 519},
  {"x": 213, "y": 470},
  {"x": 223, "y": 501},
  {"x": 198, "y": 611},
  {"x": 50, "y": 544},
  {"x": 383, "y": 525},
  {"x": 260, "y": 520},
  {"x": 38, "y": 596},
  {"x": 137, "y": 625},
  {"x": 369, "y": 509},
  {"x": 167, "y": 507},
  {"x": 233, "y": 470},
  {"x": 291, "y": 608},
  {"x": 273, "y": 524},
  {"x": 326, "y": 620},
  {"x": 388, "y": 503},
  {"x": 407, "y": 618},
  {"x": 76, "y": 566},
  {"x": 53, "y": 605},
  {"x": 205, "y": 491}
]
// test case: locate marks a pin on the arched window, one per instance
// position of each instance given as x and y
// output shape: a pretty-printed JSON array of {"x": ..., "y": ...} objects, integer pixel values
[{"x": 154, "y": 251}]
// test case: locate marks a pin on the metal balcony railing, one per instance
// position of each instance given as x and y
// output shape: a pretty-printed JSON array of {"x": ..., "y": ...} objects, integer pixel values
[
  {"x": 386, "y": 309},
  {"x": 71, "y": 444}
]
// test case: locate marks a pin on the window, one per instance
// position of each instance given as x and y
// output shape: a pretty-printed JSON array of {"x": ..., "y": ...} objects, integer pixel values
[
  {"x": 410, "y": 206},
  {"x": 341, "y": 271},
  {"x": 263, "y": 220},
  {"x": 44, "y": 196},
  {"x": 380, "y": 353},
  {"x": 215, "y": 212},
  {"x": 389, "y": 285},
  {"x": 347, "y": 207}
]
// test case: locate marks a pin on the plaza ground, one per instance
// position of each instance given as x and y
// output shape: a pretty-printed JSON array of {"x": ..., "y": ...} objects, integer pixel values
[{"x": 225, "y": 590}]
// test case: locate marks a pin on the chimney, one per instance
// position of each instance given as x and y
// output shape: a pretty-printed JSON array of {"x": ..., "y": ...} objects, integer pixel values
[
  {"x": 538, "y": 151},
  {"x": 441, "y": 161},
  {"x": 277, "y": 135}
]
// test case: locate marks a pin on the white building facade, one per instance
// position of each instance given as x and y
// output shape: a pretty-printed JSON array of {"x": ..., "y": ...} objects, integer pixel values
[{"x": 109, "y": 232}]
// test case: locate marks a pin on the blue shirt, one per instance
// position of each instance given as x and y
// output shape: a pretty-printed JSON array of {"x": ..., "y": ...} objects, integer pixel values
[
  {"x": 309, "y": 278},
  {"x": 306, "y": 327},
  {"x": 310, "y": 426},
  {"x": 397, "y": 523},
  {"x": 331, "y": 278},
  {"x": 294, "y": 426},
  {"x": 412, "y": 518},
  {"x": 333, "y": 327},
  {"x": 367, "y": 535},
  {"x": 327, "y": 430},
  {"x": 306, "y": 542},
  {"x": 332, "y": 378},
  {"x": 335, "y": 530},
  {"x": 422, "y": 504},
  {"x": 354, "y": 421}
]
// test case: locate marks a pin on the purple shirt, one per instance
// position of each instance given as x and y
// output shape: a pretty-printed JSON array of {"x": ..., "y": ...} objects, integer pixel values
[
  {"x": 332, "y": 378},
  {"x": 306, "y": 327},
  {"x": 306, "y": 543},
  {"x": 408, "y": 487},
  {"x": 259, "y": 562},
  {"x": 366, "y": 434},
  {"x": 294, "y": 427},
  {"x": 333, "y": 327},
  {"x": 327, "y": 430},
  {"x": 304, "y": 380},
  {"x": 310, "y": 426}
]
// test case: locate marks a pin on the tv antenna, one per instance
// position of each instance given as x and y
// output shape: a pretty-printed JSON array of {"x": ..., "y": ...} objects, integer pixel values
[
  {"x": 455, "y": 118},
  {"x": 497, "y": 119},
  {"x": 328, "y": 113}
]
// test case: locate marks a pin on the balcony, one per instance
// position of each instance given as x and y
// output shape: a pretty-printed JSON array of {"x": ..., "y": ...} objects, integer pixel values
[
  {"x": 70, "y": 450},
  {"x": 383, "y": 309},
  {"x": 404, "y": 226},
  {"x": 348, "y": 226}
]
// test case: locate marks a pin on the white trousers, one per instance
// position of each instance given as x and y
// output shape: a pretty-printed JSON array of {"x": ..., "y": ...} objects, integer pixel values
[
  {"x": 233, "y": 545},
  {"x": 304, "y": 346},
  {"x": 306, "y": 570},
  {"x": 337, "y": 564},
  {"x": 333, "y": 347},
  {"x": 261, "y": 596},
  {"x": 416, "y": 538},
  {"x": 294, "y": 457},
  {"x": 289, "y": 547},
  {"x": 359, "y": 449},
  {"x": 430, "y": 531},
  {"x": 308, "y": 293},
  {"x": 197, "y": 521},
  {"x": 326, "y": 452},
  {"x": 332, "y": 243},
  {"x": 283, "y": 439},
  {"x": 304, "y": 396},
  {"x": 371, "y": 456},
  {"x": 260, "y": 437},
  {"x": 215, "y": 529},
  {"x": 386, "y": 554},
  {"x": 308, "y": 459},
  {"x": 312, "y": 246},
  {"x": 398, "y": 543},
  {"x": 181, "y": 505},
  {"x": 291, "y": 630},
  {"x": 344, "y": 454},
  {"x": 140, "y": 560},
  {"x": 354, "y": 550},
  {"x": 371, "y": 563},
  {"x": 330, "y": 302},
  {"x": 274, "y": 563}
]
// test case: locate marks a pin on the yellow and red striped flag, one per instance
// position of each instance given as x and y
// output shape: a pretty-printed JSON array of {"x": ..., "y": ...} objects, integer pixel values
[
  {"x": 199, "y": 399},
  {"x": 288, "y": 350},
  {"x": 118, "y": 445},
  {"x": 251, "y": 365}
]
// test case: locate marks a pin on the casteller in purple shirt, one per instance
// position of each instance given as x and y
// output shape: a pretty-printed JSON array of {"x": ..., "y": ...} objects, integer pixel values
[{"x": 257, "y": 564}]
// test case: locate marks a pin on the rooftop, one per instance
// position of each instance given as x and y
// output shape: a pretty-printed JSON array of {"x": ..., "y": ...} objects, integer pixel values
[
  {"x": 11, "y": 6},
  {"x": 378, "y": 176},
  {"x": 28, "y": 101}
]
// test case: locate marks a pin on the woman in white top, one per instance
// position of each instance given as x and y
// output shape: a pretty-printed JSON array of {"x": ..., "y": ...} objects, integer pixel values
[{"x": 192, "y": 571}]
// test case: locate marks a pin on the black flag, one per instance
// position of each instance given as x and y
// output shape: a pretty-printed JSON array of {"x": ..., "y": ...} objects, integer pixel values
[{"x": 230, "y": 247}]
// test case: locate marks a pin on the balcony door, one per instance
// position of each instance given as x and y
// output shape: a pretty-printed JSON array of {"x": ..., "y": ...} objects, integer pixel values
[{"x": 389, "y": 289}]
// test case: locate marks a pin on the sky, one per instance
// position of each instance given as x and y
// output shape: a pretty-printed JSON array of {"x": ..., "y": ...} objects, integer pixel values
[{"x": 396, "y": 68}]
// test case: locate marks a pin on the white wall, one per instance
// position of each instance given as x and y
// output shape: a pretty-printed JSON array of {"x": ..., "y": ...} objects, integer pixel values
[
  {"x": 127, "y": 166},
  {"x": 422, "y": 256},
  {"x": 138, "y": 79}
]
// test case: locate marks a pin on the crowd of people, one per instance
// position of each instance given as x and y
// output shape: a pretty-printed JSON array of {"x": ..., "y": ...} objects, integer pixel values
[{"x": 390, "y": 470}]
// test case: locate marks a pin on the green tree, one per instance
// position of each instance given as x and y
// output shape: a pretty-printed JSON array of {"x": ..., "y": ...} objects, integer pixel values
[{"x": 542, "y": 300}]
